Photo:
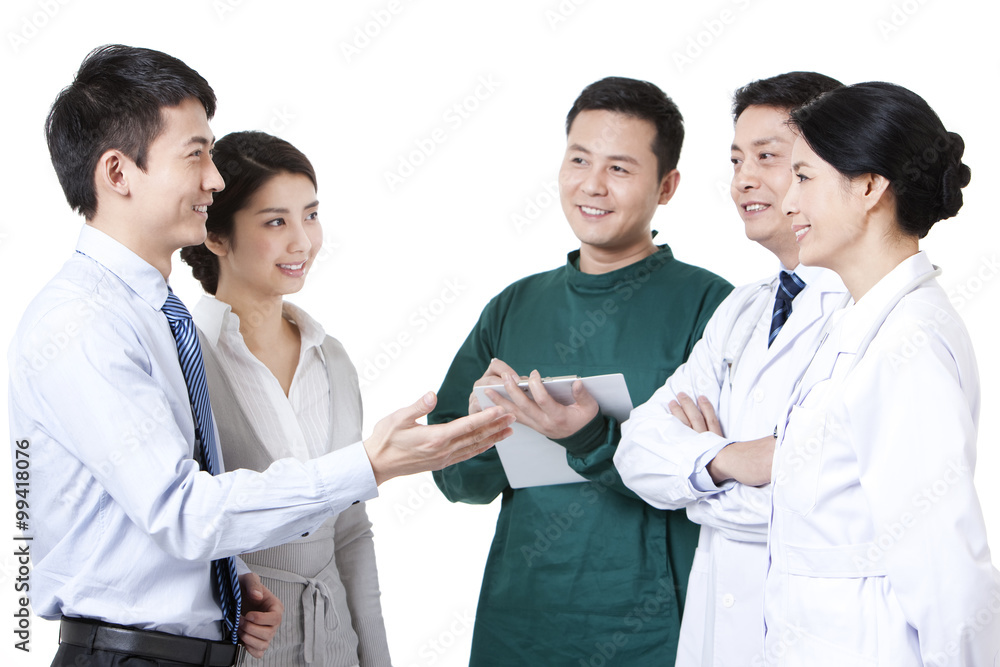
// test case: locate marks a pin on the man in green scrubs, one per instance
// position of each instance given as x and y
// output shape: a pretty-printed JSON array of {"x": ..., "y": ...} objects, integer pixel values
[{"x": 587, "y": 573}]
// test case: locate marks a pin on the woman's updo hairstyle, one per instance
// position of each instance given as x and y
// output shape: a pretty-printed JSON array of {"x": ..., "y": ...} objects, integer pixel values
[
  {"x": 246, "y": 160},
  {"x": 885, "y": 129}
]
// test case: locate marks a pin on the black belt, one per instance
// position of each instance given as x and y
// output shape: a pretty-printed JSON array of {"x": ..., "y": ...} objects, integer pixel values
[{"x": 96, "y": 635}]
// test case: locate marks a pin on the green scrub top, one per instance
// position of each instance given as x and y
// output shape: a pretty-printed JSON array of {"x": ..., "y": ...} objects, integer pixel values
[{"x": 581, "y": 574}]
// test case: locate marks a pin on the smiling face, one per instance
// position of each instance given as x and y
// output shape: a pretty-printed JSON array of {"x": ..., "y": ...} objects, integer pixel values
[
  {"x": 608, "y": 183},
  {"x": 761, "y": 157},
  {"x": 275, "y": 238},
  {"x": 168, "y": 201},
  {"x": 826, "y": 212}
]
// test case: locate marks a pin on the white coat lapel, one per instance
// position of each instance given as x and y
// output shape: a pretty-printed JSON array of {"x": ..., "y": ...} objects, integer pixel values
[{"x": 824, "y": 293}]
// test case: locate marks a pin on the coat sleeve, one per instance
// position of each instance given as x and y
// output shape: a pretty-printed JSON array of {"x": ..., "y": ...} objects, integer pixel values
[
  {"x": 665, "y": 461},
  {"x": 659, "y": 457},
  {"x": 912, "y": 409},
  {"x": 591, "y": 451}
]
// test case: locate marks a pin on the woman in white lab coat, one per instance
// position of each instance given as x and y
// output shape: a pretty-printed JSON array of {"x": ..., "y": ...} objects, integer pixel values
[{"x": 877, "y": 544}]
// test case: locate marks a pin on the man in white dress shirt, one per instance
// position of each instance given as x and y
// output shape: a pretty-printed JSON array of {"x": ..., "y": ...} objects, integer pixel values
[
  {"x": 125, "y": 525},
  {"x": 704, "y": 440}
]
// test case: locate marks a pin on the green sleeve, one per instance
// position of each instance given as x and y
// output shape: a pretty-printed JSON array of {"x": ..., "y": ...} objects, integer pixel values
[
  {"x": 480, "y": 479},
  {"x": 591, "y": 450}
]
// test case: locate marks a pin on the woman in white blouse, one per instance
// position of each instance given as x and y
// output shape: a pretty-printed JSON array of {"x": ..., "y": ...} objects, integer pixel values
[
  {"x": 281, "y": 387},
  {"x": 877, "y": 544}
]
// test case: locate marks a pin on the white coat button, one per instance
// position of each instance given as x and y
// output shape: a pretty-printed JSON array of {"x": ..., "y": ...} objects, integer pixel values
[
  {"x": 728, "y": 600},
  {"x": 758, "y": 395}
]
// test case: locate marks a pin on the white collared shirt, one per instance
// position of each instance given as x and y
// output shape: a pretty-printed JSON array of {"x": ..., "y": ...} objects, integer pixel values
[
  {"x": 296, "y": 425},
  {"x": 123, "y": 524}
]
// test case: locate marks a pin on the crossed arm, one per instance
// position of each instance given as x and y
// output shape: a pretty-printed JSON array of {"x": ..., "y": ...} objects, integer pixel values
[{"x": 747, "y": 462}]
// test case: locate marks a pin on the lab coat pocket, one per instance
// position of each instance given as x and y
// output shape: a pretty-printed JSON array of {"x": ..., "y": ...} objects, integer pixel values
[
  {"x": 830, "y": 623},
  {"x": 800, "y": 460}
]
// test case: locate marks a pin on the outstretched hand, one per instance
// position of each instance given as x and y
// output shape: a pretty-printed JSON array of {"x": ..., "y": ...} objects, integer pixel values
[{"x": 400, "y": 446}]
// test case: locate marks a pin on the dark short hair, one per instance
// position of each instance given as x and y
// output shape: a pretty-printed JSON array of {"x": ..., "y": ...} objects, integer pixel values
[
  {"x": 115, "y": 102},
  {"x": 639, "y": 99},
  {"x": 247, "y": 161},
  {"x": 881, "y": 128},
  {"x": 784, "y": 91}
]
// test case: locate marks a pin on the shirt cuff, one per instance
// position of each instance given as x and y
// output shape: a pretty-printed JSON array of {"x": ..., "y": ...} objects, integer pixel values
[
  {"x": 346, "y": 476},
  {"x": 588, "y": 438},
  {"x": 701, "y": 479}
]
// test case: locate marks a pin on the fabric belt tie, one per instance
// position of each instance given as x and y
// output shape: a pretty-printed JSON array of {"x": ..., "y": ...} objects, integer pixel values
[{"x": 318, "y": 614}]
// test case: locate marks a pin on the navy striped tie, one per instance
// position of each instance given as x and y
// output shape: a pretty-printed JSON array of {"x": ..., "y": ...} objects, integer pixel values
[
  {"x": 789, "y": 286},
  {"x": 189, "y": 352}
]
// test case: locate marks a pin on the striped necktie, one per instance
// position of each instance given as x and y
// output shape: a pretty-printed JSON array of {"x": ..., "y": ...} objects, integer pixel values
[
  {"x": 189, "y": 352},
  {"x": 789, "y": 286}
]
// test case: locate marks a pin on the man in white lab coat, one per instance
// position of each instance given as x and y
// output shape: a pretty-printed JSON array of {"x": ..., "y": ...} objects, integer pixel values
[{"x": 705, "y": 440}]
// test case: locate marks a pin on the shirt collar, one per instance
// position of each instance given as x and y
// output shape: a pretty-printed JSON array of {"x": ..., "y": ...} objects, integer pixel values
[
  {"x": 138, "y": 275},
  {"x": 212, "y": 316},
  {"x": 310, "y": 330},
  {"x": 610, "y": 280},
  {"x": 216, "y": 318}
]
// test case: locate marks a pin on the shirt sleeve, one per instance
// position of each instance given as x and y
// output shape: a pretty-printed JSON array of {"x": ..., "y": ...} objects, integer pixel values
[
  {"x": 100, "y": 401},
  {"x": 481, "y": 479},
  {"x": 911, "y": 411}
]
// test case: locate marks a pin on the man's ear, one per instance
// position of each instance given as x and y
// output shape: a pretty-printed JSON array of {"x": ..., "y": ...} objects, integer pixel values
[
  {"x": 112, "y": 172},
  {"x": 217, "y": 245},
  {"x": 668, "y": 186}
]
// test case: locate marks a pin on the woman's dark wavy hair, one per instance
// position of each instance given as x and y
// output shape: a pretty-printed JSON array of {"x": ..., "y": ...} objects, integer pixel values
[
  {"x": 246, "y": 160},
  {"x": 881, "y": 128}
]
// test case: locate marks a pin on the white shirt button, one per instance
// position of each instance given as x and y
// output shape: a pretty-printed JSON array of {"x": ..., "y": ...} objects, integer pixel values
[
  {"x": 728, "y": 600},
  {"x": 758, "y": 395}
]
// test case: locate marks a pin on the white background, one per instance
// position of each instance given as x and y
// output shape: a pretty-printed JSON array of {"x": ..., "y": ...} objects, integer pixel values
[{"x": 282, "y": 67}]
